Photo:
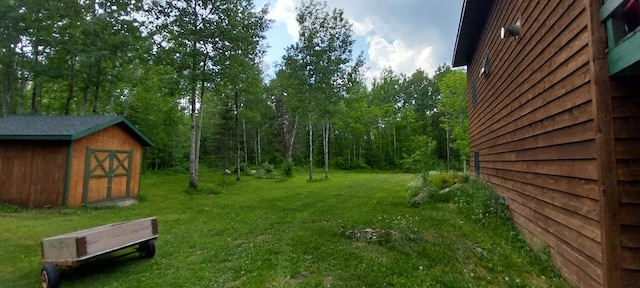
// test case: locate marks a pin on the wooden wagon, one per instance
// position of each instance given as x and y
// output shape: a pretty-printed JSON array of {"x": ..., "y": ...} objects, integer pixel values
[{"x": 74, "y": 248}]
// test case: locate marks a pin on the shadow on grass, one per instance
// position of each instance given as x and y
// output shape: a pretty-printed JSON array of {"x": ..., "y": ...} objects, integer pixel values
[{"x": 102, "y": 266}]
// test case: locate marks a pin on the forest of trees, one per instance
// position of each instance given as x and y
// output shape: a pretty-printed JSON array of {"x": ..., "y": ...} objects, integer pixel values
[{"x": 190, "y": 74}]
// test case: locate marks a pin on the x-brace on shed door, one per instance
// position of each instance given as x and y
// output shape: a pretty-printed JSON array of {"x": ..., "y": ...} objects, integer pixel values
[{"x": 107, "y": 174}]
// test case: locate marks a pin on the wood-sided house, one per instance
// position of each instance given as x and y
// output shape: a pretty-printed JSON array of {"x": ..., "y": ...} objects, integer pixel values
[
  {"x": 554, "y": 121},
  {"x": 69, "y": 160}
]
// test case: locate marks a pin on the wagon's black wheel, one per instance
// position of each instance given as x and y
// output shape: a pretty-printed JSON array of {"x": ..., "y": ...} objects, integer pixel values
[
  {"x": 147, "y": 249},
  {"x": 49, "y": 276}
]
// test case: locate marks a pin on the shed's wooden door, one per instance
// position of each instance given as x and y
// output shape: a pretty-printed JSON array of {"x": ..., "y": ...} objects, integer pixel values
[{"x": 107, "y": 175}]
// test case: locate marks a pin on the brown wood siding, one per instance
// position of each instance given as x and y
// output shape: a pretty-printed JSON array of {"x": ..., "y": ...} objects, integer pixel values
[
  {"x": 32, "y": 174},
  {"x": 533, "y": 126},
  {"x": 111, "y": 138},
  {"x": 626, "y": 113}
]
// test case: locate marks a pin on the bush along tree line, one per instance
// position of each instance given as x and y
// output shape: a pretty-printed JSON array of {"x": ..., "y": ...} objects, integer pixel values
[{"x": 190, "y": 74}]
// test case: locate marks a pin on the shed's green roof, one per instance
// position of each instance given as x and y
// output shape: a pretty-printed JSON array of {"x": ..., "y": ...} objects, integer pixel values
[
  {"x": 63, "y": 127},
  {"x": 472, "y": 21}
]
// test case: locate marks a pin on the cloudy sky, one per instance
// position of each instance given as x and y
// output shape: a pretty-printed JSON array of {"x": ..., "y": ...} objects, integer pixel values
[{"x": 402, "y": 34}]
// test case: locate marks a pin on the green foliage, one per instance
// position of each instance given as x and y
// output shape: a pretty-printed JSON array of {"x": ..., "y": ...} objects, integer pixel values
[
  {"x": 442, "y": 180},
  {"x": 8, "y": 208},
  {"x": 268, "y": 167},
  {"x": 423, "y": 159},
  {"x": 453, "y": 104},
  {"x": 287, "y": 170}
]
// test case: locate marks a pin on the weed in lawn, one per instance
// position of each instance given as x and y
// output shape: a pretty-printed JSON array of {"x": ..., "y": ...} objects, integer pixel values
[
  {"x": 8, "y": 208},
  {"x": 204, "y": 189}
]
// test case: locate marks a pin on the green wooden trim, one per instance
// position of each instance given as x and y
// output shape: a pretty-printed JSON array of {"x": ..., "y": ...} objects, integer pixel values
[
  {"x": 87, "y": 175},
  {"x": 67, "y": 181},
  {"x": 611, "y": 39},
  {"x": 624, "y": 55},
  {"x": 615, "y": 30},
  {"x": 115, "y": 162},
  {"x": 140, "y": 169},
  {"x": 94, "y": 155},
  {"x": 110, "y": 175},
  {"x": 130, "y": 161},
  {"x": 608, "y": 8}
]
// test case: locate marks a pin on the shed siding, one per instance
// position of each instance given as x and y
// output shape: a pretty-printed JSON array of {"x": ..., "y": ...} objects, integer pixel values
[
  {"x": 534, "y": 130},
  {"x": 32, "y": 174},
  {"x": 626, "y": 113},
  {"x": 112, "y": 138}
]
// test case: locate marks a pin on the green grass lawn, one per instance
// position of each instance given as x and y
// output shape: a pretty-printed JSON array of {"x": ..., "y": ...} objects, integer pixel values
[{"x": 266, "y": 233}]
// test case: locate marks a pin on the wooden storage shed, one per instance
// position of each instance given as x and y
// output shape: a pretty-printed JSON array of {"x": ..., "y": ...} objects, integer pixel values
[
  {"x": 554, "y": 121},
  {"x": 69, "y": 160}
]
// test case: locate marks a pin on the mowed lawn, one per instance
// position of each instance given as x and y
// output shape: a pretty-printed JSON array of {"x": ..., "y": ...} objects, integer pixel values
[{"x": 268, "y": 233}]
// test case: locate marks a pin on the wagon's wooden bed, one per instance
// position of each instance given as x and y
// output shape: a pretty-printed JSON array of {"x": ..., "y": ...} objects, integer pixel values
[{"x": 71, "y": 249}]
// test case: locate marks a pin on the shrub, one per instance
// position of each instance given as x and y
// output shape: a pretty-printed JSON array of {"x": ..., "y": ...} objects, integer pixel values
[
  {"x": 442, "y": 180},
  {"x": 268, "y": 167},
  {"x": 461, "y": 177},
  {"x": 287, "y": 170}
]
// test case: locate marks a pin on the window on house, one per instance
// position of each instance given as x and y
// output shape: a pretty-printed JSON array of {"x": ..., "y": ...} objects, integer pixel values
[
  {"x": 622, "y": 20},
  {"x": 484, "y": 70}
]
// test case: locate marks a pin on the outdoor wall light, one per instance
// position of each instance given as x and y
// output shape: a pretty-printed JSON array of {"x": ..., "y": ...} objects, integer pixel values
[{"x": 510, "y": 31}]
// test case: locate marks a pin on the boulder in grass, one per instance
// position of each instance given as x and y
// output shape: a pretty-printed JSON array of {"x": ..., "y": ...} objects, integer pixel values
[
  {"x": 227, "y": 172},
  {"x": 253, "y": 172}
]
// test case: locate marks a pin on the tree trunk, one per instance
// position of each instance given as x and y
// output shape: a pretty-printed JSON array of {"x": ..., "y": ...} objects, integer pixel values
[
  {"x": 23, "y": 87},
  {"x": 448, "y": 152},
  {"x": 111, "y": 102},
  {"x": 72, "y": 81},
  {"x": 325, "y": 141},
  {"x": 349, "y": 154},
  {"x": 97, "y": 91},
  {"x": 201, "y": 116},
  {"x": 35, "y": 82},
  {"x": 193, "y": 161},
  {"x": 354, "y": 153},
  {"x": 6, "y": 100},
  {"x": 310, "y": 149},
  {"x": 395, "y": 146},
  {"x": 255, "y": 146},
  {"x": 85, "y": 91},
  {"x": 199, "y": 135},
  {"x": 259, "y": 149},
  {"x": 237, "y": 142},
  {"x": 244, "y": 136},
  {"x": 291, "y": 141}
]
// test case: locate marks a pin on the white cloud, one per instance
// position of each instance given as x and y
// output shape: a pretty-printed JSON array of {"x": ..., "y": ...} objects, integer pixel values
[
  {"x": 284, "y": 11},
  {"x": 361, "y": 28},
  {"x": 404, "y": 35},
  {"x": 397, "y": 55}
]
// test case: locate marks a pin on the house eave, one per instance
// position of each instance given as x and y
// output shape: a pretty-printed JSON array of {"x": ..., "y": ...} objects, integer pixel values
[{"x": 473, "y": 18}]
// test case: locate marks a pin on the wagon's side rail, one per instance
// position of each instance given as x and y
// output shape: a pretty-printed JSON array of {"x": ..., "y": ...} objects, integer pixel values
[{"x": 68, "y": 248}]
